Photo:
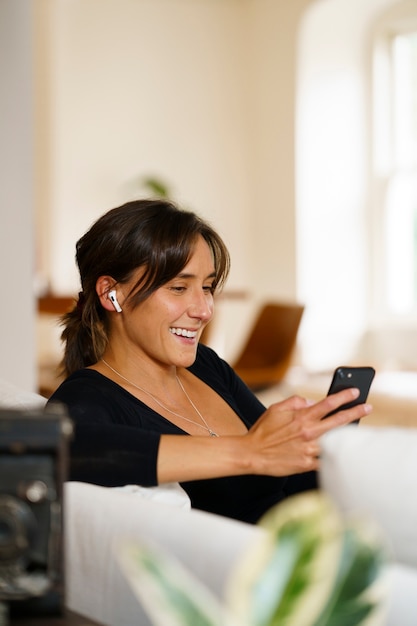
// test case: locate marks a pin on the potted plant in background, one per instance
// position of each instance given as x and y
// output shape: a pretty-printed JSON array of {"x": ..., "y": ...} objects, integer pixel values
[{"x": 155, "y": 187}]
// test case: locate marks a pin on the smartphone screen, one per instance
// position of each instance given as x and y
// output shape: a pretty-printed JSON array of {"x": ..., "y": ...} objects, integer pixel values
[{"x": 347, "y": 377}]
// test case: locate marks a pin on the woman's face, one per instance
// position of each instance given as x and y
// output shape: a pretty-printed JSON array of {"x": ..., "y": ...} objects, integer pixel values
[{"x": 166, "y": 327}]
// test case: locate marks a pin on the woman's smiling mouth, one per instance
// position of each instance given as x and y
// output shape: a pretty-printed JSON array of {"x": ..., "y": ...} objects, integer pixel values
[{"x": 183, "y": 332}]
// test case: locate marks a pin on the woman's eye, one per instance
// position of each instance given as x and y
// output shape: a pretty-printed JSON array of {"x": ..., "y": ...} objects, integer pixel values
[
  {"x": 178, "y": 288},
  {"x": 209, "y": 288}
]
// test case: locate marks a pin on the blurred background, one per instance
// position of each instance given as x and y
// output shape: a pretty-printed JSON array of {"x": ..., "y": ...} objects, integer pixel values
[{"x": 290, "y": 126}]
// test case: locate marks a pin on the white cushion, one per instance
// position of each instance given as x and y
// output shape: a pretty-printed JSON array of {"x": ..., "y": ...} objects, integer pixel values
[
  {"x": 373, "y": 471},
  {"x": 169, "y": 493},
  {"x": 12, "y": 397}
]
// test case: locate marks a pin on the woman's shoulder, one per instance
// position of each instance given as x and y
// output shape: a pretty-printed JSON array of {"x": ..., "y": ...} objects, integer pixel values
[
  {"x": 208, "y": 355},
  {"x": 208, "y": 359},
  {"x": 218, "y": 374},
  {"x": 86, "y": 383},
  {"x": 84, "y": 376},
  {"x": 212, "y": 368},
  {"x": 91, "y": 396}
]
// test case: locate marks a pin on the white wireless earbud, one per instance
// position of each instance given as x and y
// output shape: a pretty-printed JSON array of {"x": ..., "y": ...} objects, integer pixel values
[{"x": 113, "y": 298}]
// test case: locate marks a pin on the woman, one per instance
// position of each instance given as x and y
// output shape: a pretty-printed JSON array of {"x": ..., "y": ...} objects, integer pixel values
[{"x": 139, "y": 383}]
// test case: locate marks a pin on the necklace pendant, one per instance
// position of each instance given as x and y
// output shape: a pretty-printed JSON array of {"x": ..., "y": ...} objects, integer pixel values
[{"x": 213, "y": 434}]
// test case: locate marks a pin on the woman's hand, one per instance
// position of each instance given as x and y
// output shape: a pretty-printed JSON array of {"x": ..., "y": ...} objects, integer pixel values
[{"x": 285, "y": 439}]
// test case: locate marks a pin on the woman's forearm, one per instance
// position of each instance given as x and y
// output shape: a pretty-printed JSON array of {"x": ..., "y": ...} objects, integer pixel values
[{"x": 183, "y": 458}]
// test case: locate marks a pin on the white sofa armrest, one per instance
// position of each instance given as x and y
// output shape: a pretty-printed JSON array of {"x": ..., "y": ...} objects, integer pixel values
[
  {"x": 96, "y": 518},
  {"x": 372, "y": 472}
]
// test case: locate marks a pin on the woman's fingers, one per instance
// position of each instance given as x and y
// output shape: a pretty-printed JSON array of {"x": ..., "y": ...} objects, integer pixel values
[
  {"x": 336, "y": 401},
  {"x": 293, "y": 403},
  {"x": 287, "y": 436},
  {"x": 316, "y": 411}
]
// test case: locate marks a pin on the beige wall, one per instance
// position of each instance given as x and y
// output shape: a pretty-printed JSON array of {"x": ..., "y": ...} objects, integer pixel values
[
  {"x": 136, "y": 88},
  {"x": 17, "y": 253},
  {"x": 198, "y": 92},
  {"x": 273, "y": 28}
]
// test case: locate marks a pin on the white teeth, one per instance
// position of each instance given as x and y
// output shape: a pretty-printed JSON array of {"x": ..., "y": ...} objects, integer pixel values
[{"x": 183, "y": 332}]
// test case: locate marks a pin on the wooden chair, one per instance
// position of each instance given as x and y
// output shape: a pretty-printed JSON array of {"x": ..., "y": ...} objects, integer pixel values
[{"x": 266, "y": 354}]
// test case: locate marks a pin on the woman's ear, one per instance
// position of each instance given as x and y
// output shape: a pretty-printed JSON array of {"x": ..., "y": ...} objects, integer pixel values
[{"x": 105, "y": 285}]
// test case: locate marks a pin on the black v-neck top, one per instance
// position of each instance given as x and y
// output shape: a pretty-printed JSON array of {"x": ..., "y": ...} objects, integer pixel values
[{"x": 117, "y": 437}]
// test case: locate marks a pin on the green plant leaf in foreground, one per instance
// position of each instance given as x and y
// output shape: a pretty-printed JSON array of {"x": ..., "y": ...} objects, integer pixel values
[
  {"x": 313, "y": 569},
  {"x": 170, "y": 594},
  {"x": 359, "y": 587},
  {"x": 289, "y": 574}
]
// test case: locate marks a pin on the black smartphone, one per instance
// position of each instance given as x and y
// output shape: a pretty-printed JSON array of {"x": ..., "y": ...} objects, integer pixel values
[{"x": 347, "y": 377}]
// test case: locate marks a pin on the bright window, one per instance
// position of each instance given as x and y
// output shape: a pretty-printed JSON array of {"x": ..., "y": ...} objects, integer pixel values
[{"x": 395, "y": 169}]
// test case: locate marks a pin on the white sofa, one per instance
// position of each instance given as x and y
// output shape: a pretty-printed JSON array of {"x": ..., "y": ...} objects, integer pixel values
[{"x": 365, "y": 469}]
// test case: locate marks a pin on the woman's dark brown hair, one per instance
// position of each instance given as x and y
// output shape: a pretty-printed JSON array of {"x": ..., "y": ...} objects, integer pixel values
[{"x": 152, "y": 234}]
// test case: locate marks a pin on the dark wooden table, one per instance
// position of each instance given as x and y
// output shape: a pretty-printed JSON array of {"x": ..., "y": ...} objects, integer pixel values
[{"x": 68, "y": 619}]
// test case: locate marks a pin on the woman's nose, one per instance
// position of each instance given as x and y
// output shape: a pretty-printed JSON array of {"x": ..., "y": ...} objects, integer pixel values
[{"x": 202, "y": 306}]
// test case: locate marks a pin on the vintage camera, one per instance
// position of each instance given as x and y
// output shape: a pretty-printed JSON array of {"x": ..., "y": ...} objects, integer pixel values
[{"x": 33, "y": 468}]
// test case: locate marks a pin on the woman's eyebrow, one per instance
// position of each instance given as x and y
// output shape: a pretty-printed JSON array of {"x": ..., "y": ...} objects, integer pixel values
[{"x": 190, "y": 275}]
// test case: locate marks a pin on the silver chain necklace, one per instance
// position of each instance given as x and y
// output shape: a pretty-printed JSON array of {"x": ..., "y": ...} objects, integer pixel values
[{"x": 205, "y": 426}]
